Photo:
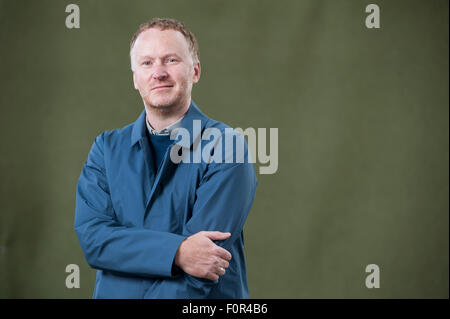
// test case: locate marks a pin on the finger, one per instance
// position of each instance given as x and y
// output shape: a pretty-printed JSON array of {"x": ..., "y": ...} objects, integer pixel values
[
  {"x": 221, "y": 271},
  {"x": 223, "y": 253},
  {"x": 216, "y": 235},
  {"x": 223, "y": 263},
  {"x": 212, "y": 276}
]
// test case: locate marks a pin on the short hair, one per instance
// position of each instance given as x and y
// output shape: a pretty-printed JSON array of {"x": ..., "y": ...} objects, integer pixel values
[{"x": 168, "y": 24}]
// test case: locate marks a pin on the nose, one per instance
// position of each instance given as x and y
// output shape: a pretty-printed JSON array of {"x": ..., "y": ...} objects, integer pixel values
[{"x": 159, "y": 73}]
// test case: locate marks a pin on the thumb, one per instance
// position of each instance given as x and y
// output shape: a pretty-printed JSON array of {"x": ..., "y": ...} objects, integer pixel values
[{"x": 216, "y": 235}]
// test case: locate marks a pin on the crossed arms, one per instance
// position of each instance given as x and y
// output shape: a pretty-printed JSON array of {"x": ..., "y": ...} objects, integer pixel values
[{"x": 223, "y": 200}]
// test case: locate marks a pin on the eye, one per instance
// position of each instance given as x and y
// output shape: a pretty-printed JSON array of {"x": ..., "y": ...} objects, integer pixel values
[
  {"x": 172, "y": 60},
  {"x": 147, "y": 63}
]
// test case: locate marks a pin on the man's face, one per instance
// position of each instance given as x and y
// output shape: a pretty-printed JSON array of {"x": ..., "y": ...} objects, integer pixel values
[{"x": 163, "y": 69}]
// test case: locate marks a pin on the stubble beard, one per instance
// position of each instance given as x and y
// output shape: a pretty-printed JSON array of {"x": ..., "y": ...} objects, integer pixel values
[{"x": 171, "y": 106}]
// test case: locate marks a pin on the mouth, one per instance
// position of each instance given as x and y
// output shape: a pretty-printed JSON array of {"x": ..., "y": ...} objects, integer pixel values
[{"x": 161, "y": 87}]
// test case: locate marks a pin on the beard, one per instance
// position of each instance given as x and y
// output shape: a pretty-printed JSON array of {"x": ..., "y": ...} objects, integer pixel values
[{"x": 166, "y": 102}]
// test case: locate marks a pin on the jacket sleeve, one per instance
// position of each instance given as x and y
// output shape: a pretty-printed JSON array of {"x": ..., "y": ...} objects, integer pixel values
[
  {"x": 224, "y": 198},
  {"x": 109, "y": 245}
]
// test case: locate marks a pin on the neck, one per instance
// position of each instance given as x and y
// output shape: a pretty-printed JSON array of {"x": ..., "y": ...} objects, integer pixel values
[{"x": 162, "y": 118}]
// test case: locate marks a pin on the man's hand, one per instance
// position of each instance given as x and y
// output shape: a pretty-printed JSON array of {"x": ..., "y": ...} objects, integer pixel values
[{"x": 200, "y": 257}]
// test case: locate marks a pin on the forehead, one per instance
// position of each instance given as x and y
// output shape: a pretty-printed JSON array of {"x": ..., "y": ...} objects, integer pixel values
[{"x": 156, "y": 42}]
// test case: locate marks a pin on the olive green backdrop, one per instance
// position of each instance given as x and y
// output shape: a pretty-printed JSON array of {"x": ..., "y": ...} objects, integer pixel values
[{"x": 363, "y": 136}]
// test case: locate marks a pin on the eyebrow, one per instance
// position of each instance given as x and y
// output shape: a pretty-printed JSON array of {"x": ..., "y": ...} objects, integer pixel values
[{"x": 164, "y": 56}]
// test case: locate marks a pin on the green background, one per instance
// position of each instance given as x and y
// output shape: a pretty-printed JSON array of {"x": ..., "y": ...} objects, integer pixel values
[{"x": 363, "y": 136}]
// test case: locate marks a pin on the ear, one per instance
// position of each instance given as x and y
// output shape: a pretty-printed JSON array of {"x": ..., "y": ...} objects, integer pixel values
[
  {"x": 134, "y": 80},
  {"x": 197, "y": 71}
]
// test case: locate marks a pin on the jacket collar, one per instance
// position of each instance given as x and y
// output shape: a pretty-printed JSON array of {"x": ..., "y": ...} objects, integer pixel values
[{"x": 193, "y": 113}]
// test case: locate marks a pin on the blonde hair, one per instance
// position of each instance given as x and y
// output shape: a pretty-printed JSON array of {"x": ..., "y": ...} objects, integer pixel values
[{"x": 168, "y": 24}]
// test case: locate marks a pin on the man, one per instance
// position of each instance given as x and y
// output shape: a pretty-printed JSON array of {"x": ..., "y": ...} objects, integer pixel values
[{"x": 152, "y": 226}]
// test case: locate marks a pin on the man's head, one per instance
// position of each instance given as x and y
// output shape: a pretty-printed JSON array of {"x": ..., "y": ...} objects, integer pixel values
[{"x": 165, "y": 63}]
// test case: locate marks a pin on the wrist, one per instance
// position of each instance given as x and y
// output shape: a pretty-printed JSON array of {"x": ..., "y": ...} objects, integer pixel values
[{"x": 177, "y": 259}]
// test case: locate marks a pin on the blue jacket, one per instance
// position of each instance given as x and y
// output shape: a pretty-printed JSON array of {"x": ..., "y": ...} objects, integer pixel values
[{"x": 130, "y": 219}]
